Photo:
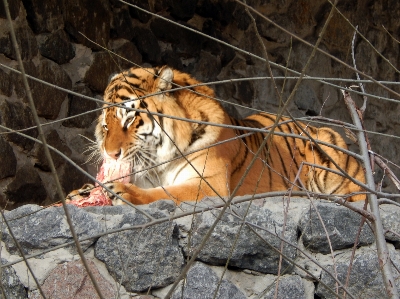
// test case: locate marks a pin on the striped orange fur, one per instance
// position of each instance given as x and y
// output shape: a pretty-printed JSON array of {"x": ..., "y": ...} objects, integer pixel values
[{"x": 155, "y": 143}]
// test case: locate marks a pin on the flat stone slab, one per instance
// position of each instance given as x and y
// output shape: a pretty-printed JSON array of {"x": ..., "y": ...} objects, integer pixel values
[
  {"x": 12, "y": 286},
  {"x": 339, "y": 224},
  {"x": 36, "y": 228},
  {"x": 201, "y": 283},
  {"x": 141, "y": 259},
  {"x": 365, "y": 280},
  {"x": 252, "y": 247}
]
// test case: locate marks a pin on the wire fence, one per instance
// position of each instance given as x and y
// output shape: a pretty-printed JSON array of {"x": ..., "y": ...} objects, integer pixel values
[{"x": 357, "y": 130}]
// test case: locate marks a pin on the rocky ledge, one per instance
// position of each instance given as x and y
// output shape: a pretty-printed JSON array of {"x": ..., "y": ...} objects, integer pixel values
[{"x": 140, "y": 253}]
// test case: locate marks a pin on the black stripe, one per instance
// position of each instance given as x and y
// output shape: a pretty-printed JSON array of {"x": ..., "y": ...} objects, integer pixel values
[
  {"x": 141, "y": 123},
  {"x": 143, "y": 105},
  {"x": 200, "y": 130},
  {"x": 290, "y": 148},
  {"x": 313, "y": 130},
  {"x": 242, "y": 143},
  {"x": 129, "y": 89},
  {"x": 268, "y": 116},
  {"x": 131, "y": 75},
  {"x": 298, "y": 131},
  {"x": 282, "y": 163},
  {"x": 316, "y": 181},
  {"x": 156, "y": 72},
  {"x": 135, "y": 86},
  {"x": 185, "y": 164},
  {"x": 151, "y": 117},
  {"x": 344, "y": 178}
]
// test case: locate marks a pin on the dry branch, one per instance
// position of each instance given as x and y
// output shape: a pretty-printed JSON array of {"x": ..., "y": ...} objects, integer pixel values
[{"x": 383, "y": 252}]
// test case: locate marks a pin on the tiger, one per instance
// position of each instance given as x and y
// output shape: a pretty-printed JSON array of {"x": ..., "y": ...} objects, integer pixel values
[{"x": 184, "y": 146}]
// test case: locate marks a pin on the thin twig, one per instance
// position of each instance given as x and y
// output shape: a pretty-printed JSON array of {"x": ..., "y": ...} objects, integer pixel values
[
  {"x": 395, "y": 39},
  {"x": 353, "y": 56}
]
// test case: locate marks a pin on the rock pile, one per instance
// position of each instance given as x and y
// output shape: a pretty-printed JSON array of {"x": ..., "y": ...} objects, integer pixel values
[{"x": 134, "y": 253}]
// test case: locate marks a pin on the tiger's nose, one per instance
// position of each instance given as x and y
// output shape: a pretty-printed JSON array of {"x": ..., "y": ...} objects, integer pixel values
[{"x": 114, "y": 154}]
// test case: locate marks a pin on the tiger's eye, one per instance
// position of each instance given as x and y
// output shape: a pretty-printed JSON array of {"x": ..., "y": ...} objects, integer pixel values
[
  {"x": 128, "y": 121},
  {"x": 105, "y": 127}
]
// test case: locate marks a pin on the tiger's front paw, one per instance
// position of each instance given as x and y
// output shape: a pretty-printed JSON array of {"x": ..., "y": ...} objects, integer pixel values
[
  {"x": 81, "y": 193},
  {"x": 116, "y": 191}
]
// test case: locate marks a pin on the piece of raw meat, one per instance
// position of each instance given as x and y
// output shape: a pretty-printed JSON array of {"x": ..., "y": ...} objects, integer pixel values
[{"x": 110, "y": 170}]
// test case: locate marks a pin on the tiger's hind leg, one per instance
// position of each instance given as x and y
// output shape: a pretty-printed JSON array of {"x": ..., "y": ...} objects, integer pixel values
[{"x": 321, "y": 178}]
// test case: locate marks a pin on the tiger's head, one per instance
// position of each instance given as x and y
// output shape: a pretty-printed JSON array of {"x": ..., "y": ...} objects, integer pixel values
[{"x": 132, "y": 126}]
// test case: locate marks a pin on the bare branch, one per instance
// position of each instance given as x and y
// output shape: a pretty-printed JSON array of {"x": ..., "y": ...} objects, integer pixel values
[{"x": 383, "y": 252}]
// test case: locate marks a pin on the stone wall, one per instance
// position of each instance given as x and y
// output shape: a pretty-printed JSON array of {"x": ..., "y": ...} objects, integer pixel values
[
  {"x": 120, "y": 249},
  {"x": 55, "y": 41}
]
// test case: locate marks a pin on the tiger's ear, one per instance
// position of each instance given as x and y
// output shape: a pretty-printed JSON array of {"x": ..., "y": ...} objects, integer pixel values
[
  {"x": 165, "y": 77},
  {"x": 112, "y": 77}
]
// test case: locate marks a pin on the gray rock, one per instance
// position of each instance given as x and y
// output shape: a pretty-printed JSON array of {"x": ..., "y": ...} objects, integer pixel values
[
  {"x": 79, "y": 105},
  {"x": 306, "y": 100},
  {"x": 147, "y": 44},
  {"x": 170, "y": 33},
  {"x": 172, "y": 59},
  {"x": 12, "y": 286},
  {"x": 208, "y": 66},
  {"x": 17, "y": 84},
  {"x": 102, "y": 67},
  {"x": 5, "y": 83},
  {"x": 290, "y": 286},
  {"x": 17, "y": 116},
  {"x": 182, "y": 9},
  {"x": 163, "y": 205},
  {"x": 142, "y": 259},
  {"x": 201, "y": 283},
  {"x": 44, "y": 16},
  {"x": 53, "y": 139},
  {"x": 127, "y": 50},
  {"x": 25, "y": 39},
  {"x": 223, "y": 12},
  {"x": 250, "y": 251},
  {"x": 37, "y": 229},
  {"x": 47, "y": 99},
  {"x": 26, "y": 187},
  {"x": 56, "y": 46},
  {"x": 122, "y": 24},
  {"x": 341, "y": 224},
  {"x": 93, "y": 21},
  {"x": 365, "y": 276},
  {"x": 138, "y": 14},
  {"x": 70, "y": 178},
  {"x": 14, "y": 9},
  {"x": 390, "y": 215},
  {"x": 128, "y": 215},
  {"x": 8, "y": 161},
  {"x": 70, "y": 280},
  {"x": 110, "y": 210}
]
